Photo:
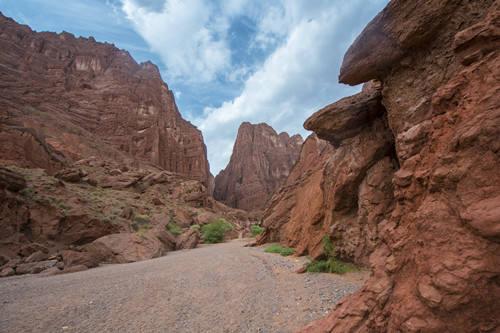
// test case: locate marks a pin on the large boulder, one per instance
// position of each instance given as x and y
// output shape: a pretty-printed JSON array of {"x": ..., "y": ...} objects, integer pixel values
[
  {"x": 74, "y": 258},
  {"x": 123, "y": 248},
  {"x": 188, "y": 240}
]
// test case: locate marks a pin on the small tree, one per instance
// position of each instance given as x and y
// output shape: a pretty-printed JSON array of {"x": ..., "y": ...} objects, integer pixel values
[{"x": 214, "y": 232}]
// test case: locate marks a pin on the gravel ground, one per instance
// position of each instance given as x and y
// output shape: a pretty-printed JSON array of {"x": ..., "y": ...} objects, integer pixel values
[{"x": 213, "y": 288}]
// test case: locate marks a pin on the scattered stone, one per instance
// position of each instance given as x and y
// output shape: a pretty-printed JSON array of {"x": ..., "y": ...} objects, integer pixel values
[
  {"x": 35, "y": 267},
  {"x": 8, "y": 271},
  {"x": 36, "y": 256},
  {"x": 74, "y": 269},
  {"x": 188, "y": 240},
  {"x": 71, "y": 175},
  {"x": 73, "y": 258},
  {"x": 51, "y": 271}
]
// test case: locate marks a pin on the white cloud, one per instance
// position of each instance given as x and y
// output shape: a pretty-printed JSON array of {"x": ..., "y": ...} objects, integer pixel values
[
  {"x": 297, "y": 79},
  {"x": 190, "y": 41},
  {"x": 303, "y": 41}
]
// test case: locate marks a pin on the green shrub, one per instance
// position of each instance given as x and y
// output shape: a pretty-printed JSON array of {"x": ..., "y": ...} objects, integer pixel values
[
  {"x": 175, "y": 230},
  {"x": 141, "y": 219},
  {"x": 331, "y": 264},
  {"x": 134, "y": 225},
  {"x": 195, "y": 227},
  {"x": 214, "y": 232},
  {"x": 256, "y": 230},
  {"x": 284, "y": 251}
]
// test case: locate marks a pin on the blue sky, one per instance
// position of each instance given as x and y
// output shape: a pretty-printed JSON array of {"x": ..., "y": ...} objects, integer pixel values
[{"x": 273, "y": 61}]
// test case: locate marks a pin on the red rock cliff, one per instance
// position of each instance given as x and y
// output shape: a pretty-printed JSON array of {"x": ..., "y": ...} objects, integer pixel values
[
  {"x": 64, "y": 98},
  {"x": 345, "y": 192},
  {"x": 261, "y": 161},
  {"x": 436, "y": 267}
]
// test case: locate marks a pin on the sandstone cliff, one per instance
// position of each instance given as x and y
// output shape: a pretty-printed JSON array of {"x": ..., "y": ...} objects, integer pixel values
[
  {"x": 261, "y": 161},
  {"x": 64, "y": 98},
  {"x": 344, "y": 192},
  {"x": 436, "y": 265}
]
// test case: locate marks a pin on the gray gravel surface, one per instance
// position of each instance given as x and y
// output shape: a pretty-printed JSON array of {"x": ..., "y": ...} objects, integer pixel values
[{"x": 213, "y": 288}]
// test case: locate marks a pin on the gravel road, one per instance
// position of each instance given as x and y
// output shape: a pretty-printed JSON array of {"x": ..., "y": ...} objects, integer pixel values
[{"x": 213, "y": 288}]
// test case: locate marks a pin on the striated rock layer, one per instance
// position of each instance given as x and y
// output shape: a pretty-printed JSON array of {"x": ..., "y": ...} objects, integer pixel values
[
  {"x": 64, "y": 98},
  {"x": 261, "y": 161},
  {"x": 436, "y": 267},
  {"x": 345, "y": 192}
]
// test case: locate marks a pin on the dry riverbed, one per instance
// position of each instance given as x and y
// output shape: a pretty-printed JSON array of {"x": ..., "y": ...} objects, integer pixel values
[{"x": 213, "y": 288}]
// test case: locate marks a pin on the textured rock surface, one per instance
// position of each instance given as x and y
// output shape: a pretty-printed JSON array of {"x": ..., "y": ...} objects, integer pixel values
[
  {"x": 64, "y": 98},
  {"x": 43, "y": 217},
  {"x": 437, "y": 268},
  {"x": 123, "y": 248},
  {"x": 345, "y": 193},
  {"x": 261, "y": 161}
]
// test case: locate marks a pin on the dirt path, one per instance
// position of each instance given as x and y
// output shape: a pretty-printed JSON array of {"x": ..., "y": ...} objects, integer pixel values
[{"x": 213, "y": 288}]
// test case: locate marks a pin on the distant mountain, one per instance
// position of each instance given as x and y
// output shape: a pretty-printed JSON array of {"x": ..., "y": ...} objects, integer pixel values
[{"x": 261, "y": 161}]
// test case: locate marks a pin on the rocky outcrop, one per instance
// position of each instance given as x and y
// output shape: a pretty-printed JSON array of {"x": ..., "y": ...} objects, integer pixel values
[
  {"x": 64, "y": 98},
  {"x": 437, "y": 265},
  {"x": 261, "y": 161},
  {"x": 345, "y": 193},
  {"x": 44, "y": 218}
]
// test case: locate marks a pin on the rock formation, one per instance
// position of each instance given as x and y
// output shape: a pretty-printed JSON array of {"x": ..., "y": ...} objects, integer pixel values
[
  {"x": 344, "y": 192},
  {"x": 64, "y": 98},
  {"x": 53, "y": 225},
  {"x": 97, "y": 164},
  {"x": 436, "y": 266},
  {"x": 261, "y": 161}
]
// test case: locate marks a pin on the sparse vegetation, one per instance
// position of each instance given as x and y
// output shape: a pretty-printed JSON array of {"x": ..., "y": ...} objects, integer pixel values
[
  {"x": 276, "y": 248},
  {"x": 175, "y": 230},
  {"x": 141, "y": 219},
  {"x": 195, "y": 227},
  {"x": 256, "y": 230},
  {"x": 331, "y": 264},
  {"x": 215, "y": 231}
]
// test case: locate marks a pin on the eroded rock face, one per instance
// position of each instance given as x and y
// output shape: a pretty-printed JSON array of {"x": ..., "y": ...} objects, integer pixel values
[
  {"x": 64, "y": 98},
  {"x": 261, "y": 161},
  {"x": 437, "y": 268},
  {"x": 345, "y": 193}
]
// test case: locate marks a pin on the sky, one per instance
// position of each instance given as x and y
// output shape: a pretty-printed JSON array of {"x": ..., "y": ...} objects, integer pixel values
[{"x": 230, "y": 61}]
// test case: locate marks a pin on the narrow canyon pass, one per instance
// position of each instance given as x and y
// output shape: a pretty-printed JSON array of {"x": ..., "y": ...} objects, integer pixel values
[
  {"x": 261, "y": 161},
  {"x": 97, "y": 164}
]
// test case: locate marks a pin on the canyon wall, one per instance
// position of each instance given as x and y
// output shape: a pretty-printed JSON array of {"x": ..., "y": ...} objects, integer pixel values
[
  {"x": 340, "y": 187},
  {"x": 436, "y": 265},
  {"x": 64, "y": 98},
  {"x": 261, "y": 161}
]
